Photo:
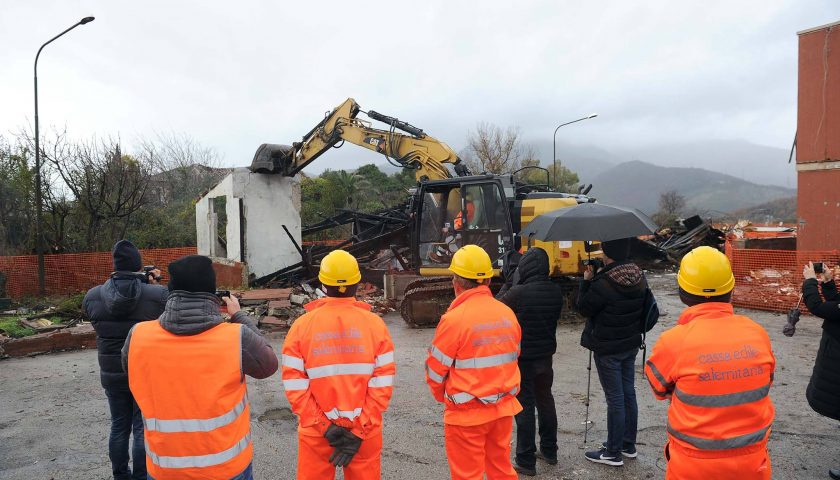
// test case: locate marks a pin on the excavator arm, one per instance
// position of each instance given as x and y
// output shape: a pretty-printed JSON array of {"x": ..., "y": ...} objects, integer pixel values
[{"x": 413, "y": 149}]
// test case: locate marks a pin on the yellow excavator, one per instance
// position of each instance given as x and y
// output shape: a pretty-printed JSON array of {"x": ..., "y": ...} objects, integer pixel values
[{"x": 446, "y": 210}]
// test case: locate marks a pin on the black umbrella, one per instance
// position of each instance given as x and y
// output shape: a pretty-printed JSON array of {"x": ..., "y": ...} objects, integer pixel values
[{"x": 589, "y": 221}]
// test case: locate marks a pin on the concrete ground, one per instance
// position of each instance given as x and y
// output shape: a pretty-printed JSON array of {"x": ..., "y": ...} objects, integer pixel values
[{"x": 54, "y": 416}]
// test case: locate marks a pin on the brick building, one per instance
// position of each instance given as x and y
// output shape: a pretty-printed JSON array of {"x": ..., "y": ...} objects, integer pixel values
[{"x": 818, "y": 138}]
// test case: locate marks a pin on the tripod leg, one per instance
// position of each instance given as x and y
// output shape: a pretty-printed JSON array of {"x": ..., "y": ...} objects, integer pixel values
[{"x": 588, "y": 385}]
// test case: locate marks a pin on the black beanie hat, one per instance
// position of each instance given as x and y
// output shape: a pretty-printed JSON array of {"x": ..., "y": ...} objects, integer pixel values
[
  {"x": 193, "y": 273},
  {"x": 617, "y": 249},
  {"x": 126, "y": 257}
]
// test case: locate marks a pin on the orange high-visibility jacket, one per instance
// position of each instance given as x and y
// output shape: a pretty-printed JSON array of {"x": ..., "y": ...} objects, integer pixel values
[
  {"x": 192, "y": 393},
  {"x": 472, "y": 366},
  {"x": 458, "y": 221},
  {"x": 717, "y": 368},
  {"x": 338, "y": 367}
]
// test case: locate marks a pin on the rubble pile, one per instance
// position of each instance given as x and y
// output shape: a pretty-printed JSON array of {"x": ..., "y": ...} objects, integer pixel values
[
  {"x": 672, "y": 242},
  {"x": 691, "y": 233},
  {"x": 277, "y": 308}
]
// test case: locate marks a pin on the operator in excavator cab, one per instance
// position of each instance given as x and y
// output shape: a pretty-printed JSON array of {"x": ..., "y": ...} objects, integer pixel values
[{"x": 452, "y": 234}]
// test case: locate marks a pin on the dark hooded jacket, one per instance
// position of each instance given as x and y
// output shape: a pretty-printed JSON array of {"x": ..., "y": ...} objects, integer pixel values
[
  {"x": 113, "y": 308},
  {"x": 190, "y": 313},
  {"x": 613, "y": 302},
  {"x": 537, "y": 302},
  {"x": 823, "y": 392}
]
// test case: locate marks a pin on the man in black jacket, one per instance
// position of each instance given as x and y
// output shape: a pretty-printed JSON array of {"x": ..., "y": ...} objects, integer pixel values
[
  {"x": 823, "y": 391},
  {"x": 613, "y": 301},
  {"x": 128, "y": 297},
  {"x": 537, "y": 302}
]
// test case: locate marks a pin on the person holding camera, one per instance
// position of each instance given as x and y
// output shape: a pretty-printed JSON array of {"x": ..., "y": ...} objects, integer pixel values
[
  {"x": 129, "y": 296},
  {"x": 612, "y": 297},
  {"x": 187, "y": 372},
  {"x": 823, "y": 392}
]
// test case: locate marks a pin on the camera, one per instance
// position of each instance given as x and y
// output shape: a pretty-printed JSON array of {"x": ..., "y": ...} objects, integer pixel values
[
  {"x": 818, "y": 267},
  {"x": 595, "y": 263},
  {"x": 147, "y": 272},
  {"x": 222, "y": 293}
]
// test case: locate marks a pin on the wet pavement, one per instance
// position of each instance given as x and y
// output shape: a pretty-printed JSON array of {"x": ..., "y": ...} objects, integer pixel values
[{"x": 54, "y": 415}]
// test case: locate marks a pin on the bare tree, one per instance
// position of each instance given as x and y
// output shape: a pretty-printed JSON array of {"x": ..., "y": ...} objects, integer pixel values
[
  {"x": 183, "y": 167},
  {"x": 492, "y": 149},
  {"x": 108, "y": 185},
  {"x": 671, "y": 204}
]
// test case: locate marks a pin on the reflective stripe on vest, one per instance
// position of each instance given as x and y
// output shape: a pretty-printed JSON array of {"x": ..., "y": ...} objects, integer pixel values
[
  {"x": 293, "y": 362},
  {"x": 384, "y": 359},
  {"x": 721, "y": 443},
  {"x": 464, "y": 397},
  {"x": 335, "y": 413},
  {"x": 296, "y": 384},
  {"x": 434, "y": 375},
  {"x": 485, "y": 362},
  {"x": 726, "y": 400},
  {"x": 199, "y": 461},
  {"x": 195, "y": 425},
  {"x": 382, "y": 381},
  {"x": 340, "y": 369},
  {"x": 441, "y": 357},
  {"x": 659, "y": 376}
]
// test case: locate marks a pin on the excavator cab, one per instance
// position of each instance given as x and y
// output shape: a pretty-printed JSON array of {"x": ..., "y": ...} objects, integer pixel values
[{"x": 455, "y": 212}]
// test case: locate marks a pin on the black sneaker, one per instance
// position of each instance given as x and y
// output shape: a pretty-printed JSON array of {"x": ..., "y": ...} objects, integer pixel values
[
  {"x": 531, "y": 472},
  {"x": 834, "y": 473},
  {"x": 546, "y": 458},
  {"x": 627, "y": 452},
  {"x": 602, "y": 456}
]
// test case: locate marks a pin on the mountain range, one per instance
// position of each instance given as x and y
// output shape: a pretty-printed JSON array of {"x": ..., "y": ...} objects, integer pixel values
[{"x": 758, "y": 164}]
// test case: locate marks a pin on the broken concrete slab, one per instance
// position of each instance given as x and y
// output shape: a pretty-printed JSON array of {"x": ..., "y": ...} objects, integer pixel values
[
  {"x": 73, "y": 338},
  {"x": 298, "y": 299}
]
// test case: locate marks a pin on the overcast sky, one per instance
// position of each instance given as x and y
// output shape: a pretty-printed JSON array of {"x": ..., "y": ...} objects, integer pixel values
[{"x": 236, "y": 74}]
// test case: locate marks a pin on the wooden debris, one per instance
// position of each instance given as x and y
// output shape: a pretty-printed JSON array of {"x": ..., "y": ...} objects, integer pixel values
[{"x": 266, "y": 294}]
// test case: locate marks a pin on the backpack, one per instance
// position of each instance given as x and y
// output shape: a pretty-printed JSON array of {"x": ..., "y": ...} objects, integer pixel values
[{"x": 650, "y": 315}]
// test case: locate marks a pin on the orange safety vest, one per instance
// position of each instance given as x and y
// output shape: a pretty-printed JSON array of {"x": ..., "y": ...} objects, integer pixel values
[
  {"x": 338, "y": 367},
  {"x": 458, "y": 221},
  {"x": 193, "y": 396},
  {"x": 717, "y": 368},
  {"x": 472, "y": 365}
]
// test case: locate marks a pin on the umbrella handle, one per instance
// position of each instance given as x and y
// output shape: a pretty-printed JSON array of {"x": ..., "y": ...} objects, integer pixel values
[{"x": 800, "y": 301}]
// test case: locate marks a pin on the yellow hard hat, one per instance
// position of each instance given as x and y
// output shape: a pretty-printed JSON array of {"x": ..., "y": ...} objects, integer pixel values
[
  {"x": 706, "y": 272},
  {"x": 471, "y": 261},
  {"x": 338, "y": 269}
]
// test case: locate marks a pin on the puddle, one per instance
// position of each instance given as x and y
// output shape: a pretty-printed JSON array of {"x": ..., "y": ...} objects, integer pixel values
[{"x": 277, "y": 414}]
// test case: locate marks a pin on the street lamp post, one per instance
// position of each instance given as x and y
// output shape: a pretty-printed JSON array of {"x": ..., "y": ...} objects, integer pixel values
[
  {"x": 39, "y": 238},
  {"x": 554, "y": 157}
]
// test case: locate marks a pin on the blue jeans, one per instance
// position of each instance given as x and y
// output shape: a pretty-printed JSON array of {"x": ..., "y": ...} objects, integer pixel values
[
  {"x": 125, "y": 420},
  {"x": 247, "y": 474},
  {"x": 616, "y": 372}
]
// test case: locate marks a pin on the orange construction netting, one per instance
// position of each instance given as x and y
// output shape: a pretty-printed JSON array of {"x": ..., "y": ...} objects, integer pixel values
[
  {"x": 69, "y": 273},
  {"x": 772, "y": 279}
]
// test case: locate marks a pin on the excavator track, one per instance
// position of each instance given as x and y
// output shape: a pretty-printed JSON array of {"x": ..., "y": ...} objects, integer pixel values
[{"x": 425, "y": 300}]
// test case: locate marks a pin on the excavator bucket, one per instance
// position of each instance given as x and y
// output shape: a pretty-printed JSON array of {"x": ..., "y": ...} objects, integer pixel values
[{"x": 271, "y": 158}]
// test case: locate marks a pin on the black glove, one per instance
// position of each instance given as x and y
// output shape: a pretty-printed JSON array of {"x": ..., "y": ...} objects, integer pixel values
[
  {"x": 334, "y": 435},
  {"x": 345, "y": 449},
  {"x": 792, "y": 319}
]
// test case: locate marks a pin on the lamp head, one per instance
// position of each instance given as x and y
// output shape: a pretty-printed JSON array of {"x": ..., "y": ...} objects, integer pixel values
[
  {"x": 592, "y": 115},
  {"x": 86, "y": 20}
]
